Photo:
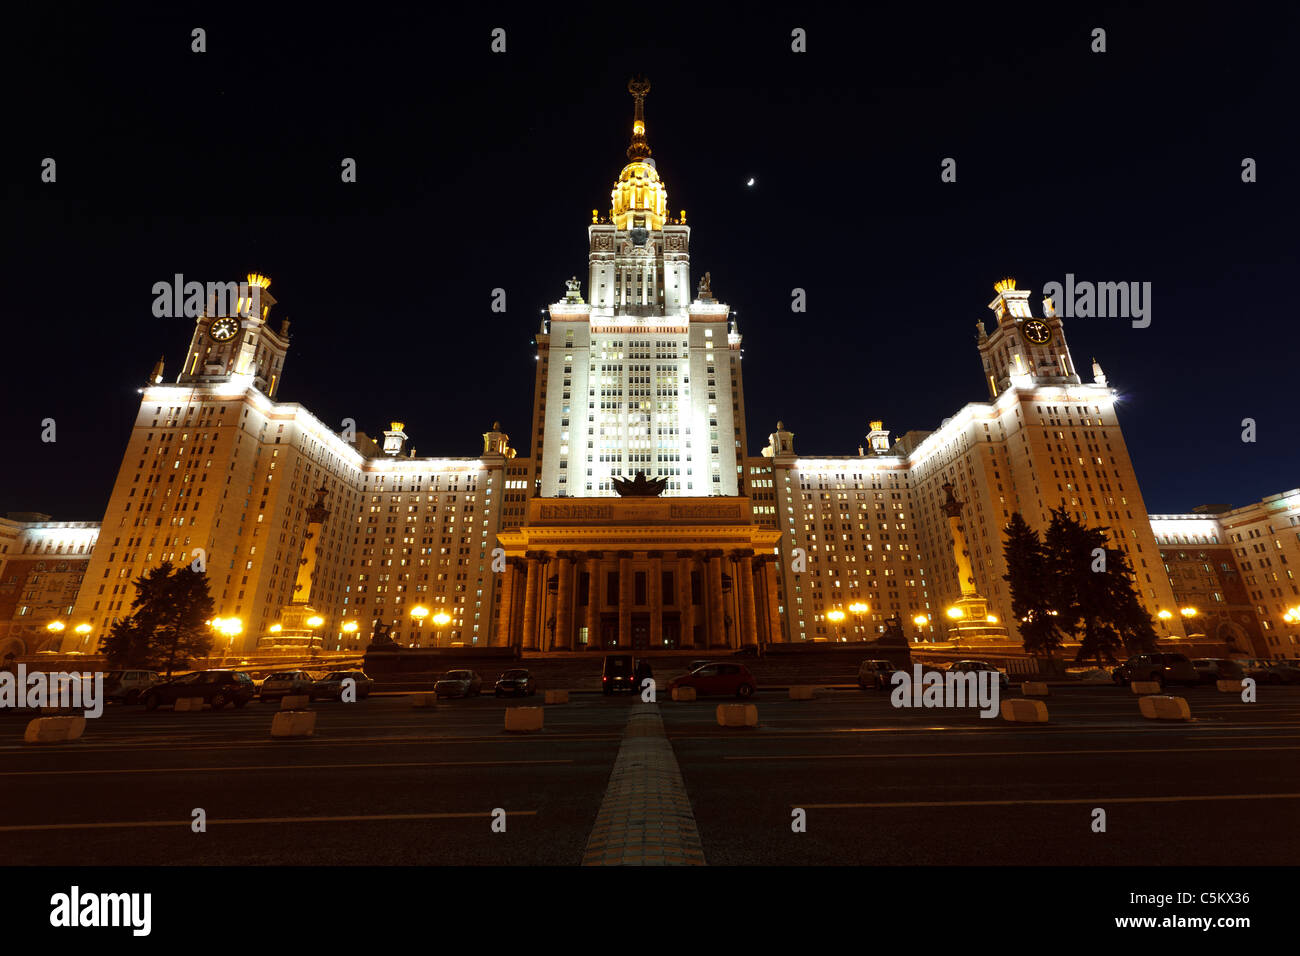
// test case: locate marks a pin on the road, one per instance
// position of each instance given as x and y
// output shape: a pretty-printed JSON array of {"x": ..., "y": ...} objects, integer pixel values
[{"x": 384, "y": 783}]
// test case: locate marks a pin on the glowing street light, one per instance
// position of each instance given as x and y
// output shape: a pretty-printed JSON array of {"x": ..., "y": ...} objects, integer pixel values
[
  {"x": 419, "y": 613},
  {"x": 858, "y": 608},
  {"x": 836, "y": 616},
  {"x": 441, "y": 620},
  {"x": 55, "y": 627},
  {"x": 956, "y": 613}
]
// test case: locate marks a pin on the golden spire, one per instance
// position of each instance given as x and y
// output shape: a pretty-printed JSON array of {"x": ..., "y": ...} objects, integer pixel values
[{"x": 638, "y": 86}]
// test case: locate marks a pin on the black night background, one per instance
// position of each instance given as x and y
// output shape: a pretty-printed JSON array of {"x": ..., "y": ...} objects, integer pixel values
[{"x": 479, "y": 170}]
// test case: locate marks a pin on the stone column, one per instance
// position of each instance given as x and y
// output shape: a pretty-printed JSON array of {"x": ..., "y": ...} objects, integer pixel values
[
  {"x": 531, "y": 593},
  {"x": 713, "y": 597},
  {"x": 772, "y": 578},
  {"x": 762, "y": 619},
  {"x": 685, "y": 600},
  {"x": 745, "y": 590},
  {"x": 505, "y": 605},
  {"x": 625, "y": 596},
  {"x": 594, "y": 592},
  {"x": 656, "y": 597},
  {"x": 564, "y": 603}
]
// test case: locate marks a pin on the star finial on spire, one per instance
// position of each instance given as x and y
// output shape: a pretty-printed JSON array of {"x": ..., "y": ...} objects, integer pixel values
[{"x": 638, "y": 86}]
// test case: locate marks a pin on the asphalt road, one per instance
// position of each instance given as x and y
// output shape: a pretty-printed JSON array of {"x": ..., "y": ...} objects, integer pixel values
[{"x": 384, "y": 783}]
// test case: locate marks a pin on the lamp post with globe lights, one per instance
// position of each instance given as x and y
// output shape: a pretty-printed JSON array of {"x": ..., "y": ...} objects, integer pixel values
[
  {"x": 859, "y": 608},
  {"x": 441, "y": 620},
  {"x": 419, "y": 613},
  {"x": 836, "y": 617}
]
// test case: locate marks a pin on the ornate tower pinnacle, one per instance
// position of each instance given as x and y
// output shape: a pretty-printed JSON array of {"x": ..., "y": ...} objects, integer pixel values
[{"x": 638, "y": 86}]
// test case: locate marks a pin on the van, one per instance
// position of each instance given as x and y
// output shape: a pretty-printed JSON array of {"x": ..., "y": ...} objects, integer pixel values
[{"x": 618, "y": 673}]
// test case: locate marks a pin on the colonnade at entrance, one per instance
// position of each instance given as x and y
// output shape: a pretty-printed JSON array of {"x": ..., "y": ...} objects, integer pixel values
[{"x": 563, "y": 600}]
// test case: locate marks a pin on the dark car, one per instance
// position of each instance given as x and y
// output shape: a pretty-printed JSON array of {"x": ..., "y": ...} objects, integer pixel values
[
  {"x": 280, "y": 684},
  {"x": 974, "y": 667},
  {"x": 618, "y": 673},
  {"x": 1161, "y": 668},
  {"x": 1211, "y": 669},
  {"x": 127, "y": 686},
  {"x": 1274, "y": 672},
  {"x": 217, "y": 688},
  {"x": 720, "y": 678},
  {"x": 875, "y": 674},
  {"x": 330, "y": 687},
  {"x": 516, "y": 682},
  {"x": 458, "y": 683}
]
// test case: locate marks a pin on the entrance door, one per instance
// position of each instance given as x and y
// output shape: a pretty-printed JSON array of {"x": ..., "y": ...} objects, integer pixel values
[
  {"x": 672, "y": 632},
  {"x": 609, "y": 633},
  {"x": 640, "y": 632}
]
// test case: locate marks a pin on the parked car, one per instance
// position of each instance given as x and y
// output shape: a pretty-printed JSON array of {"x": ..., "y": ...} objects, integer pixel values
[
  {"x": 617, "y": 673},
  {"x": 285, "y": 683},
  {"x": 719, "y": 678},
  {"x": 971, "y": 667},
  {"x": 217, "y": 688},
  {"x": 458, "y": 683},
  {"x": 875, "y": 674},
  {"x": 126, "y": 686},
  {"x": 1273, "y": 672},
  {"x": 330, "y": 687},
  {"x": 516, "y": 682},
  {"x": 748, "y": 650},
  {"x": 696, "y": 665},
  {"x": 1211, "y": 669},
  {"x": 1161, "y": 668}
]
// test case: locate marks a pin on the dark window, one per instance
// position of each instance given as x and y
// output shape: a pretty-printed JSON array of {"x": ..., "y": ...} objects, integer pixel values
[{"x": 640, "y": 587}]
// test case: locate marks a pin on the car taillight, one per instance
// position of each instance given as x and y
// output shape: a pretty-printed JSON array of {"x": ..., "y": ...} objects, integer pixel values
[{"x": 604, "y": 678}]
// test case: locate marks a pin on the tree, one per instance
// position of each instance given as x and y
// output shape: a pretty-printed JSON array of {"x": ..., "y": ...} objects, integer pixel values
[
  {"x": 1032, "y": 587},
  {"x": 167, "y": 625},
  {"x": 1094, "y": 595}
]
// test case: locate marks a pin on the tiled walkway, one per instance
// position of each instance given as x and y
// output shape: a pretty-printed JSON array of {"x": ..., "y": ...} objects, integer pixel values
[{"x": 645, "y": 818}]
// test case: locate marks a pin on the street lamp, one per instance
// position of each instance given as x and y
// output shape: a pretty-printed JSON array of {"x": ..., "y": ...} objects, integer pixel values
[
  {"x": 920, "y": 621},
  {"x": 350, "y": 628},
  {"x": 419, "y": 612},
  {"x": 84, "y": 631},
  {"x": 440, "y": 621},
  {"x": 836, "y": 616},
  {"x": 1188, "y": 613},
  {"x": 314, "y": 622},
  {"x": 1164, "y": 619},
  {"x": 858, "y": 608}
]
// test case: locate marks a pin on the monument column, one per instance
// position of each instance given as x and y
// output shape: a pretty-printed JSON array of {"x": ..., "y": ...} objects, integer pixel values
[
  {"x": 717, "y": 630},
  {"x": 624, "y": 599},
  {"x": 531, "y": 593},
  {"x": 593, "y": 598},
  {"x": 564, "y": 609},
  {"x": 685, "y": 597},
  {"x": 656, "y": 597}
]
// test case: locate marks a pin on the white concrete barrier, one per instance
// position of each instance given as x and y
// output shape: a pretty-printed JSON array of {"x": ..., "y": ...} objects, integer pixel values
[
  {"x": 683, "y": 693},
  {"x": 1035, "y": 688},
  {"x": 54, "y": 730},
  {"x": 1021, "y": 711},
  {"x": 294, "y": 702},
  {"x": 1145, "y": 687},
  {"x": 429, "y": 700},
  {"x": 737, "y": 715},
  {"x": 803, "y": 692},
  {"x": 1228, "y": 686},
  {"x": 557, "y": 697},
  {"x": 293, "y": 723},
  {"x": 1164, "y": 708},
  {"x": 189, "y": 703},
  {"x": 524, "y": 719}
]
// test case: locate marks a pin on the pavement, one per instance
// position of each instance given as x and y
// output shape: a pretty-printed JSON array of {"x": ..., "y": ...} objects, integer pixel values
[{"x": 616, "y": 780}]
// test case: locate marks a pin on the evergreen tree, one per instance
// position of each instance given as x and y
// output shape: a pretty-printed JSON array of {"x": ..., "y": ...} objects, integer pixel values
[
  {"x": 167, "y": 625},
  {"x": 1095, "y": 598},
  {"x": 1032, "y": 587}
]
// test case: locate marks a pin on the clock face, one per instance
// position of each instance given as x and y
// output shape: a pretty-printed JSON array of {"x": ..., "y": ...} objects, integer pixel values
[
  {"x": 223, "y": 330},
  {"x": 1037, "y": 331}
]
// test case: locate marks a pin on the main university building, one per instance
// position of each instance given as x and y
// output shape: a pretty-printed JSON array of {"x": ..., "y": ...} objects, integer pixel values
[{"x": 310, "y": 536}]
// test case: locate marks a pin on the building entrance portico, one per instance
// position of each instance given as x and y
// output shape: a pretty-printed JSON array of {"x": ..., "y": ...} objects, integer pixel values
[{"x": 638, "y": 574}]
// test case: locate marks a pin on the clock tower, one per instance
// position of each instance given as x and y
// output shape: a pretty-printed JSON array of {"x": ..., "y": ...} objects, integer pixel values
[
  {"x": 1023, "y": 350},
  {"x": 238, "y": 345}
]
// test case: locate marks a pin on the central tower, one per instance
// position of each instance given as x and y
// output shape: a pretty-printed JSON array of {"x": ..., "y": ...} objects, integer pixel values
[{"x": 638, "y": 376}]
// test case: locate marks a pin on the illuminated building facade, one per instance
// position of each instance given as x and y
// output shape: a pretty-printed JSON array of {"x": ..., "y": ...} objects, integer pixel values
[
  {"x": 42, "y": 563},
  {"x": 640, "y": 374}
]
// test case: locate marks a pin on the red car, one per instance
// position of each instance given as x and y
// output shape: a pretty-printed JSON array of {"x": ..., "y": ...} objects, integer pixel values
[{"x": 718, "y": 678}]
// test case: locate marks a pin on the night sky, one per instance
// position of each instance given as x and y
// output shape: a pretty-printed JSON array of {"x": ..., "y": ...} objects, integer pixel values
[{"x": 479, "y": 170}]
